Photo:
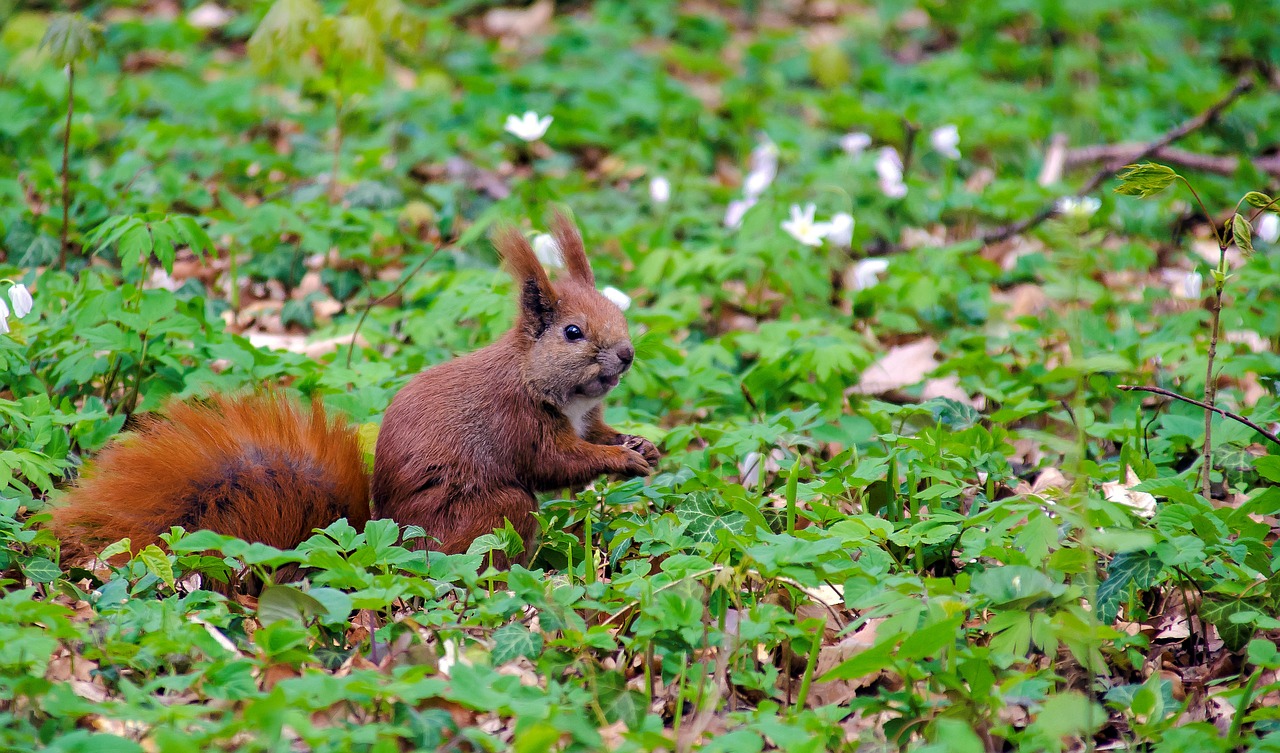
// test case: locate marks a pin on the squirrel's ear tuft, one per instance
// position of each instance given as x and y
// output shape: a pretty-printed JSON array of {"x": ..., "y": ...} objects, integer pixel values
[
  {"x": 570, "y": 243},
  {"x": 537, "y": 297}
]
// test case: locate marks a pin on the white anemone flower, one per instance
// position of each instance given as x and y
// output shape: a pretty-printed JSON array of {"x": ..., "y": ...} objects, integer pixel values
[
  {"x": 855, "y": 143},
  {"x": 528, "y": 127},
  {"x": 617, "y": 297},
  {"x": 889, "y": 168},
  {"x": 1081, "y": 208},
  {"x": 802, "y": 226},
  {"x": 840, "y": 229},
  {"x": 4, "y": 318},
  {"x": 1268, "y": 228},
  {"x": 547, "y": 251},
  {"x": 755, "y": 184},
  {"x": 866, "y": 273},
  {"x": 945, "y": 141},
  {"x": 736, "y": 210},
  {"x": 660, "y": 190},
  {"x": 1192, "y": 285},
  {"x": 764, "y": 158},
  {"x": 21, "y": 298}
]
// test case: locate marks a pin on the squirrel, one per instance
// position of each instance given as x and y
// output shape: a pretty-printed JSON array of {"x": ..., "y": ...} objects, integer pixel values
[{"x": 463, "y": 446}]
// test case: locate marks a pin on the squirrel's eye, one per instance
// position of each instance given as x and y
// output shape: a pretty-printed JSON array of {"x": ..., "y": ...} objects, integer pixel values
[{"x": 573, "y": 332}]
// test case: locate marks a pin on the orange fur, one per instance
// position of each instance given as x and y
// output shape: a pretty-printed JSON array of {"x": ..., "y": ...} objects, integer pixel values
[{"x": 260, "y": 468}]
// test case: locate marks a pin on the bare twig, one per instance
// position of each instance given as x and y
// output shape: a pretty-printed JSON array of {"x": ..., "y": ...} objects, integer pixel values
[
  {"x": 1187, "y": 126},
  {"x": 369, "y": 306},
  {"x": 1119, "y": 155},
  {"x": 1233, "y": 416}
]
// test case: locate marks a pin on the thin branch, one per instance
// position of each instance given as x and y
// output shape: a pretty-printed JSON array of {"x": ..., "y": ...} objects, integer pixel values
[
  {"x": 1233, "y": 416},
  {"x": 1119, "y": 155},
  {"x": 378, "y": 301},
  {"x": 1187, "y": 126}
]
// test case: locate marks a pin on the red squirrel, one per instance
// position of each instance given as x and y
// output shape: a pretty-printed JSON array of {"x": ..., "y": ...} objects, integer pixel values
[{"x": 462, "y": 447}]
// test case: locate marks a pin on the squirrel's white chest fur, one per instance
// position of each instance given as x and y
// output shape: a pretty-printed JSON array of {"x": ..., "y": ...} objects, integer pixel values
[{"x": 577, "y": 410}]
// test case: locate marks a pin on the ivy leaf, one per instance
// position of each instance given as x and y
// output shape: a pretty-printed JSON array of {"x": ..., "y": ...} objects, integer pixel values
[
  {"x": 288, "y": 604},
  {"x": 71, "y": 38},
  {"x": 1146, "y": 179},
  {"x": 157, "y": 562},
  {"x": 510, "y": 642},
  {"x": 1137, "y": 569},
  {"x": 1242, "y": 231},
  {"x": 702, "y": 519},
  {"x": 1235, "y": 635}
]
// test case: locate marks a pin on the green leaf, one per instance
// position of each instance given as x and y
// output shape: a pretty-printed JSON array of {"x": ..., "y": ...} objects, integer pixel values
[
  {"x": 157, "y": 563},
  {"x": 122, "y": 546},
  {"x": 71, "y": 38},
  {"x": 287, "y": 604},
  {"x": 1268, "y": 466},
  {"x": 1235, "y": 635},
  {"x": 1126, "y": 571},
  {"x": 510, "y": 642},
  {"x": 702, "y": 517},
  {"x": 41, "y": 570},
  {"x": 1146, "y": 179},
  {"x": 1257, "y": 199},
  {"x": 1242, "y": 231}
]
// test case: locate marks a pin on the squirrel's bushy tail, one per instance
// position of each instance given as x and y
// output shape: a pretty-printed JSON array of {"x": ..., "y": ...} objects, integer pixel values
[{"x": 258, "y": 467}]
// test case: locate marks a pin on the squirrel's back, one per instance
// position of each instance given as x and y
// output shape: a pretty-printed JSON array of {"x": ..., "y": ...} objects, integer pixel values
[{"x": 259, "y": 467}]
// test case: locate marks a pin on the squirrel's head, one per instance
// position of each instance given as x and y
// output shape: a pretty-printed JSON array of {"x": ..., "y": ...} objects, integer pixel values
[{"x": 574, "y": 339}]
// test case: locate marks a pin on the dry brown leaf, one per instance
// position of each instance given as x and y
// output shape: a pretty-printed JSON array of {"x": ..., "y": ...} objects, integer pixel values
[
  {"x": 522, "y": 23},
  {"x": 902, "y": 366},
  {"x": 840, "y": 691}
]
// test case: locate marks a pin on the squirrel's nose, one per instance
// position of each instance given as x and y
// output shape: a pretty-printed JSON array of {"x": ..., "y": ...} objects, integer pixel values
[{"x": 626, "y": 354}]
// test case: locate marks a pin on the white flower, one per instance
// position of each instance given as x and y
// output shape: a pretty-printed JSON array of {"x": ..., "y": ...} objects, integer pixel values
[
  {"x": 894, "y": 189},
  {"x": 528, "y": 127},
  {"x": 1268, "y": 227},
  {"x": 21, "y": 298},
  {"x": 764, "y": 158},
  {"x": 945, "y": 140},
  {"x": 855, "y": 143},
  {"x": 1082, "y": 208},
  {"x": 867, "y": 272},
  {"x": 208, "y": 16},
  {"x": 889, "y": 168},
  {"x": 1192, "y": 284},
  {"x": 547, "y": 251},
  {"x": 619, "y": 298},
  {"x": 802, "y": 227},
  {"x": 736, "y": 210},
  {"x": 755, "y": 184},
  {"x": 660, "y": 190},
  {"x": 840, "y": 229},
  {"x": 4, "y": 318}
]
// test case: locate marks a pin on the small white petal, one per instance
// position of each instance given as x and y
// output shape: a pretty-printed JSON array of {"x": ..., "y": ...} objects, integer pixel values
[
  {"x": 756, "y": 182},
  {"x": 867, "y": 272},
  {"x": 21, "y": 298},
  {"x": 840, "y": 229},
  {"x": 764, "y": 158},
  {"x": 894, "y": 189},
  {"x": 1268, "y": 228},
  {"x": 619, "y": 298},
  {"x": 855, "y": 143},
  {"x": 547, "y": 251},
  {"x": 1192, "y": 285},
  {"x": 736, "y": 210},
  {"x": 889, "y": 166},
  {"x": 945, "y": 140},
  {"x": 4, "y": 318},
  {"x": 208, "y": 16},
  {"x": 660, "y": 190}
]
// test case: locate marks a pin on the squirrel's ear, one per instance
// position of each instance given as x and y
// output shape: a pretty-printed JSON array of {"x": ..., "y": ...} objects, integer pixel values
[
  {"x": 570, "y": 243},
  {"x": 537, "y": 297}
]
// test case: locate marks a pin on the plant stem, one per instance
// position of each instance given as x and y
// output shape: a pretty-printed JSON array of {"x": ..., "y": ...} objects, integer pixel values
[
  {"x": 66, "y": 153},
  {"x": 802, "y": 696},
  {"x": 334, "y": 193},
  {"x": 1211, "y": 384}
]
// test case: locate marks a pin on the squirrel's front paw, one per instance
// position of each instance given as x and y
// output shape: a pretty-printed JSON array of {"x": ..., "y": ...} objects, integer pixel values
[{"x": 644, "y": 447}]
